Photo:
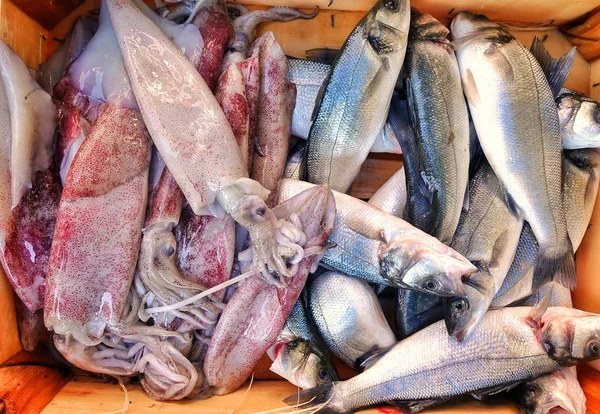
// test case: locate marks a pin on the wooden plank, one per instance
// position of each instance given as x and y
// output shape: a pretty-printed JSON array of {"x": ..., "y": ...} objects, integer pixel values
[
  {"x": 375, "y": 171},
  {"x": 25, "y": 36},
  {"x": 47, "y": 13},
  {"x": 586, "y": 36},
  {"x": 28, "y": 389},
  {"x": 9, "y": 334},
  {"x": 85, "y": 395},
  {"x": 589, "y": 379},
  {"x": 531, "y": 11}
]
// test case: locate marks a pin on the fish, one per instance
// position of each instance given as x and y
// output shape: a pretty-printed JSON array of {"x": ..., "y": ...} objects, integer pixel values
[
  {"x": 488, "y": 235},
  {"x": 295, "y": 166},
  {"x": 386, "y": 250},
  {"x": 579, "y": 120},
  {"x": 559, "y": 296},
  {"x": 559, "y": 392},
  {"x": 441, "y": 123},
  {"x": 416, "y": 310},
  {"x": 349, "y": 317},
  {"x": 391, "y": 197},
  {"x": 428, "y": 367},
  {"x": 309, "y": 76},
  {"x": 495, "y": 69},
  {"x": 299, "y": 353},
  {"x": 579, "y": 191},
  {"x": 356, "y": 95}
]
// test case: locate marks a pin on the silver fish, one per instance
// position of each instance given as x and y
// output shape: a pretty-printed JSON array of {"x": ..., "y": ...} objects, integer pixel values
[
  {"x": 295, "y": 165},
  {"x": 357, "y": 94},
  {"x": 511, "y": 345},
  {"x": 299, "y": 354},
  {"x": 416, "y": 310},
  {"x": 515, "y": 115},
  {"x": 579, "y": 120},
  {"x": 391, "y": 196},
  {"x": 349, "y": 316},
  {"x": 559, "y": 296},
  {"x": 488, "y": 235},
  {"x": 309, "y": 76},
  {"x": 579, "y": 191},
  {"x": 559, "y": 392},
  {"x": 441, "y": 124},
  {"x": 386, "y": 250}
]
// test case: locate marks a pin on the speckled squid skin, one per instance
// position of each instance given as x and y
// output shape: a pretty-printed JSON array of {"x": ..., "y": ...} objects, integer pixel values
[
  {"x": 251, "y": 73},
  {"x": 216, "y": 30},
  {"x": 187, "y": 125},
  {"x": 31, "y": 226},
  {"x": 98, "y": 229},
  {"x": 205, "y": 248},
  {"x": 276, "y": 102},
  {"x": 165, "y": 201},
  {"x": 231, "y": 95},
  {"x": 257, "y": 311}
]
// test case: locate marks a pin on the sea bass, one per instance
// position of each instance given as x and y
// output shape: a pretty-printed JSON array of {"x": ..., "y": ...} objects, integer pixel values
[
  {"x": 357, "y": 94},
  {"x": 391, "y": 196},
  {"x": 349, "y": 316},
  {"x": 386, "y": 250},
  {"x": 559, "y": 392},
  {"x": 510, "y": 346},
  {"x": 299, "y": 354},
  {"x": 510, "y": 99},
  {"x": 579, "y": 120},
  {"x": 441, "y": 124}
]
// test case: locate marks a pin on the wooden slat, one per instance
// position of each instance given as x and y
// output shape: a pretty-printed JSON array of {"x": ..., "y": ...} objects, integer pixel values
[
  {"x": 531, "y": 11},
  {"x": 25, "y": 36},
  {"x": 9, "y": 335},
  {"x": 47, "y": 12},
  {"x": 586, "y": 36},
  {"x": 89, "y": 396},
  {"x": 28, "y": 389}
]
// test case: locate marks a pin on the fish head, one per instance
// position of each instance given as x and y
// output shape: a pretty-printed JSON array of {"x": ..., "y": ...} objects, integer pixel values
[
  {"x": 295, "y": 360},
  {"x": 385, "y": 26},
  {"x": 579, "y": 121},
  {"x": 462, "y": 314},
  {"x": 558, "y": 392},
  {"x": 570, "y": 336},
  {"x": 466, "y": 24},
  {"x": 424, "y": 269},
  {"x": 425, "y": 26}
]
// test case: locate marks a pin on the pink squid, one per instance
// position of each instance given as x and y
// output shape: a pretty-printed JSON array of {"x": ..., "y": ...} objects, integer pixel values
[{"x": 257, "y": 310}]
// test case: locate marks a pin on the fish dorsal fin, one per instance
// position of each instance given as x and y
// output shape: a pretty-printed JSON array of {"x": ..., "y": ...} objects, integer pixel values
[
  {"x": 556, "y": 70},
  {"x": 535, "y": 315}
]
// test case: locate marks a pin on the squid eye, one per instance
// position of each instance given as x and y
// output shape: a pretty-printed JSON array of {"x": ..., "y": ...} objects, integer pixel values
[
  {"x": 597, "y": 115},
  {"x": 392, "y": 5},
  {"x": 323, "y": 374},
  {"x": 593, "y": 349},
  {"x": 460, "y": 306},
  {"x": 168, "y": 250},
  {"x": 430, "y": 284}
]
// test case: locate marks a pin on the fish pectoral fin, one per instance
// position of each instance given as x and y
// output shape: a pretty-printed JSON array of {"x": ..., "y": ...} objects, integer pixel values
[
  {"x": 369, "y": 358},
  {"x": 427, "y": 186},
  {"x": 484, "y": 393},
  {"x": 470, "y": 88},
  {"x": 501, "y": 62},
  {"x": 535, "y": 315},
  {"x": 466, "y": 199},
  {"x": 417, "y": 405}
]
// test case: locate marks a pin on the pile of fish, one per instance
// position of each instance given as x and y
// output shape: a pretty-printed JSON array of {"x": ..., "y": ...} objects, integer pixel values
[{"x": 168, "y": 182}]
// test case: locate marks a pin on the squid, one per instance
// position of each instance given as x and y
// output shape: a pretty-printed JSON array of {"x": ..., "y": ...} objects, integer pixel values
[{"x": 257, "y": 310}]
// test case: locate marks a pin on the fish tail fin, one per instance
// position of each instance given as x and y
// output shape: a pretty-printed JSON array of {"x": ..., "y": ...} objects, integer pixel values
[
  {"x": 556, "y": 70},
  {"x": 315, "y": 397},
  {"x": 559, "y": 267}
]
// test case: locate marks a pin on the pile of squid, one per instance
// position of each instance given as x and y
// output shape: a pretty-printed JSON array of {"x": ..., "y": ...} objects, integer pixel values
[{"x": 156, "y": 219}]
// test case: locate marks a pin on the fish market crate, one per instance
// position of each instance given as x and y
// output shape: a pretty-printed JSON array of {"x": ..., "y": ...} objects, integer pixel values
[{"x": 36, "y": 382}]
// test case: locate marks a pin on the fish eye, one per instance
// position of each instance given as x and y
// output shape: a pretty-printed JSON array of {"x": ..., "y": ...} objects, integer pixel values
[
  {"x": 392, "y": 5},
  {"x": 593, "y": 348},
  {"x": 597, "y": 115},
  {"x": 292, "y": 345},
  {"x": 460, "y": 306},
  {"x": 323, "y": 374},
  {"x": 430, "y": 284},
  {"x": 531, "y": 390}
]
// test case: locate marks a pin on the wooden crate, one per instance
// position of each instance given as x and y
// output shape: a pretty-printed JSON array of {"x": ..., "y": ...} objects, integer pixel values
[{"x": 32, "y": 382}]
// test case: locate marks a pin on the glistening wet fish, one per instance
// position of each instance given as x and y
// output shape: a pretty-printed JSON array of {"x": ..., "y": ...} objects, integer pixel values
[
  {"x": 357, "y": 94},
  {"x": 428, "y": 367},
  {"x": 579, "y": 120},
  {"x": 559, "y": 392},
  {"x": 299, "y": 354},
  {"x": 441, "y": 124},
  {"x": 386, "y": 250},
  {"x": 349, "y": 316},
  {"x": 509, "y": 99}
]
